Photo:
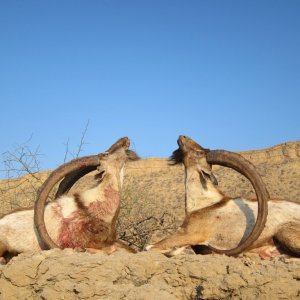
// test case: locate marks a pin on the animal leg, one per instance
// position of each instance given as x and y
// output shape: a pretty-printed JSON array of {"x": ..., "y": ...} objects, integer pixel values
[
  {"x": 176, "y": 240},
  {"x": 288, "y": 237}
]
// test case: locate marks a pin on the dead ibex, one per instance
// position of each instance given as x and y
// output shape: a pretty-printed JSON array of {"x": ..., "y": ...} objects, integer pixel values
[
  {"x": 214, "y": 219},
  {"x": 85, "y": 220}
]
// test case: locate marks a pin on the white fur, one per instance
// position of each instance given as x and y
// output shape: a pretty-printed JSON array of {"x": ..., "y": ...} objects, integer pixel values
[
  {"x": 18, "y": 231},
  {"x": 67, "y": 205},
  {"x": 244, "y": 213},
  {"x": 196, "y": 196}
]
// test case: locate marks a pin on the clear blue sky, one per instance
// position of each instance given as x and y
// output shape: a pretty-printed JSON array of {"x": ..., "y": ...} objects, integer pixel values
[{"x": 226, "y": 73}]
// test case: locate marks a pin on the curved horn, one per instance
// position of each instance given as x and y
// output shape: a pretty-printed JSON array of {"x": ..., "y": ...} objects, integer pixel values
[
  {"x": 240, "y": 164},
  {"x": 75, "y": 167},
  {"x": 74, "y": 176},
  {"x": 71, "y": 179}
]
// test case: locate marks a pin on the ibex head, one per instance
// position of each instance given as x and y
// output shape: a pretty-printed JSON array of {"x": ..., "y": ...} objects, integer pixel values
[
  {"x": 192, "y": 155},
  {"x": 110, "y": 162},
  {"x": 198, "y": 159},
  {"x": 114, "y": 159}
]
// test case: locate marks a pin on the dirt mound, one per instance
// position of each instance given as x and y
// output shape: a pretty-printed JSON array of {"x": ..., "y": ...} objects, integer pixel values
[{"x": 65, "y": 274}]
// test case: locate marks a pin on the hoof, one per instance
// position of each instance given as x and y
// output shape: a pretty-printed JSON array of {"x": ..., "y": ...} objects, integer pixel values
[{"x": 147, "y": 248}]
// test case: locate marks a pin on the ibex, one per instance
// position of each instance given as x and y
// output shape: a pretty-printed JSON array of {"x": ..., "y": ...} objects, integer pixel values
[
  {"x": 214, "y": 219},
  {"x": 85, "y": 220}
]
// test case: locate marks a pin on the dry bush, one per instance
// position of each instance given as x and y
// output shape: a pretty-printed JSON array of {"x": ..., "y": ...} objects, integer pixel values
[
  {"x": 140, "y": 223},
  {"x": 21, "y": 168}
]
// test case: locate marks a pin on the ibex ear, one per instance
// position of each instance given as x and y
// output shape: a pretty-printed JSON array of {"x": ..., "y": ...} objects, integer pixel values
[
  {"x": 100, "y": 175},
  {"x": 213, "y": 178},
  {"x": 207, "y": 173},
  {"x": 204, "y": 176}
]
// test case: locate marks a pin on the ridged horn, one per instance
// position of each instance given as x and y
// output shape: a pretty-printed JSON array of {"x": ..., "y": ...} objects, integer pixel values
[
  {"x": 43, "y": 193},
  {"x": 71, "y": 178},
  {"x": 240, "y": 164}
]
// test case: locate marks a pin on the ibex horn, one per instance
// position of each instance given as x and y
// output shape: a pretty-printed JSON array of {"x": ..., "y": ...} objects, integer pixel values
[{"x": 240, "y": 164}]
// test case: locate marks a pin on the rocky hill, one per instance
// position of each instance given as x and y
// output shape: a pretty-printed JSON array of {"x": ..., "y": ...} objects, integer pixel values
[
  {"x": 65, "y": 274},
  {"x": 153, "y": 207}
]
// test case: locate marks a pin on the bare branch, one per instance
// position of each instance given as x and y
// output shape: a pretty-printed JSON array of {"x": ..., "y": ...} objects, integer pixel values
[
  {"x": 67, "y": 150},
  {"x": 82, "y": 140},
  {"x": 79, "y": 149}
]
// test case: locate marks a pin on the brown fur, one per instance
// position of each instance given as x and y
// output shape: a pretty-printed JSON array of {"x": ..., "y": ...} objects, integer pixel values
[
  {"x": 289, "y": 238},
  {"x": 176, "y": 157},
  {"x": 79, "y": 202},
  {"x": 217, "y": 205}
]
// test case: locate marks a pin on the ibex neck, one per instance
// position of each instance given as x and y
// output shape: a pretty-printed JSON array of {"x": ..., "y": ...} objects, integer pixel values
[
  {"x": 97, "y": 193},
  {"x": 199, "y": 196},
  {"x": 114, "y": 178}
]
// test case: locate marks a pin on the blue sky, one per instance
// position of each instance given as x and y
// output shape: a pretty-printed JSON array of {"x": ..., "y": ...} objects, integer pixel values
[{"x": 226, "y": 73}]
